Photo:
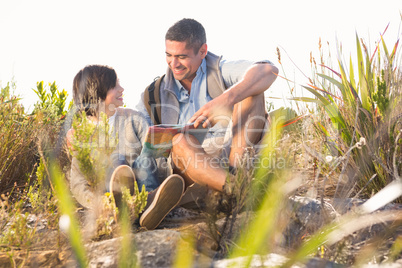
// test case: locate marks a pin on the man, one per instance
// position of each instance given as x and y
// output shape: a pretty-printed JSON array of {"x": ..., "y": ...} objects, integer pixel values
[{"x": 202, "y": 88}]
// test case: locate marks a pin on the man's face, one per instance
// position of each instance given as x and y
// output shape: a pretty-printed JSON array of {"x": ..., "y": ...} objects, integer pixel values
[{"x": 183, "y": 61}]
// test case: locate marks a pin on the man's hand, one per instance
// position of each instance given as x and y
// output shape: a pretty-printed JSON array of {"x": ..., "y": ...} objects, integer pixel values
[
  {"x": 257, "y": 79},
  {"x": 217, "y": 110}
]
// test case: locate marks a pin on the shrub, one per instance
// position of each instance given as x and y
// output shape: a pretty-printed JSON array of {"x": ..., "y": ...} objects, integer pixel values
[
  {"x": 92, "y": 145},
  {"x": 18, "y": 154},
  {"x": 50, "y": 113},
  {"x": 369, "y": 110}
]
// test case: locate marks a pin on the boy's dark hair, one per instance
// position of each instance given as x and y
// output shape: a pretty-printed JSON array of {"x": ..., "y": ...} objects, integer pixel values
[
  {"x": 90, "y": 86},
  {"x": 187, "y": 30}
]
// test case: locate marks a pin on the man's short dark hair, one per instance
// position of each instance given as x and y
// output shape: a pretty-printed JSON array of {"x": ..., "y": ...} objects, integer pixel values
[{"x": 187, "y": 30}]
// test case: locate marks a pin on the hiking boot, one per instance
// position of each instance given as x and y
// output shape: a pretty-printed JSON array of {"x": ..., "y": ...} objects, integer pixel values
[
  {"x": 161, "y": 201},
  {"x": 122, "y": 176}
]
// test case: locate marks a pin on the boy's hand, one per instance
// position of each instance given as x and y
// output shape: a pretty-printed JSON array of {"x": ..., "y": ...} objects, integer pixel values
[{"x": 70, "y": 138}]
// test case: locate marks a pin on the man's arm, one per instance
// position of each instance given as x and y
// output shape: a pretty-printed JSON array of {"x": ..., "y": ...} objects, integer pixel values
[{"x": 258, "y": 78}]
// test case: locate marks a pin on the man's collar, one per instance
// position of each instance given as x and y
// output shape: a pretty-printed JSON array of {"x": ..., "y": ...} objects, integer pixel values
[
  {"x": 200, "y": 71},
  {"x": 170, "y": 80},
  {"x": 203, "y": 67}
]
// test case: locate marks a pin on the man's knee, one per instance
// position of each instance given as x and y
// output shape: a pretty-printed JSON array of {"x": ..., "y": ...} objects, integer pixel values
[
  {"x": 256, "y": 103},
  {"x": 183, "y": 142},
  {"x": 185, "y": 150},
  {"x": 178, "y": 141}
]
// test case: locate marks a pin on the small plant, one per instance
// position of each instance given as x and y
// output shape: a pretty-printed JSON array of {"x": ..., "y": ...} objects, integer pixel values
[
  {"x": 136, "y": 202},
  {"x": 51, "y": 101},
  {"x": 105, "y": 222},
  {"x": 109, "y": 214},
  {"x": 16, "y": 233},
  {"x": 41, "y": 198},
  {"x": 381, "y": 96},
  {"x": 92, "y": 145}
]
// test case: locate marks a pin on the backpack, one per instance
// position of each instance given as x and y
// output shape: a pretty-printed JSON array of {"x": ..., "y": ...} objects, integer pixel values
[{"x": 152, "y": 100}]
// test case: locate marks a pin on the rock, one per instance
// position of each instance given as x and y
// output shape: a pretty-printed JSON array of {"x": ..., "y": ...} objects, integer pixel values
[
  {"x": 273, "y": 260},
  {"x": 306, "y": 215},
  {"x": 270, "y": 260},
  {"x": 154, "y": 249},
  {"x": 397, "y": 264},
  {"x": 157, "y": 248}
]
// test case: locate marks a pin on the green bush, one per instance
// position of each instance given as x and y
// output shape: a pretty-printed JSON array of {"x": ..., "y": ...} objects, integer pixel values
[
  {"x": 367, "y": 110},
  {"x": 92, "y": 145},
  {"x": 50, "y": 113},
  {"x": 18, "y": 155}
]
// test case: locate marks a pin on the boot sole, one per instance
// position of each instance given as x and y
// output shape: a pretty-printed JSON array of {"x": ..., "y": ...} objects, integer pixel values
[
  {"x": 163, "y": 202},
  {"x": 122, "y": 176}
]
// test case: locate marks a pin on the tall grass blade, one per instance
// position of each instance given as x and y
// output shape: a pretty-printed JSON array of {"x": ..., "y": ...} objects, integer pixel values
[
  {"x": 294, "y": 120},
  {"x": 352, "y": 73},
  {"x": 305, "y": 99},
  {"x": 386, "y": 50},
  {"x": 366, "y": 96},
  {"x": 331, "y": 80},
  {"x": 396, "y": 249},
  {"x": 326, "y": 132},
  {"x": 386, "y": 195},
  {"x": 350, "y": 96},
  {"x": 184, "y": 253},
  {"x": 127, "y": 256},
  {"x": 393, "y": 53},
  {"x": 323, "y": 100},
  {"x": 360, "y": 65},
  {"x": 254, "y": 239},
  {"x": 67, "y": 208}
]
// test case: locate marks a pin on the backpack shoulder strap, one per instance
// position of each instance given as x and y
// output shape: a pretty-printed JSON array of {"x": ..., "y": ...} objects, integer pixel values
[{"x": 152, "y": 100}]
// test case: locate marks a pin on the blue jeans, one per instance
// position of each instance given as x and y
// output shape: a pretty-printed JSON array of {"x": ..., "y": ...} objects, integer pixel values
[
  {"x": 144, "y": 168},
  {"x": 146, "y": 173}
]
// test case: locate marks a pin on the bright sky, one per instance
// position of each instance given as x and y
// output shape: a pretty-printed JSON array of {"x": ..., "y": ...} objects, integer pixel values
[{"x": 52, "y": 40}]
